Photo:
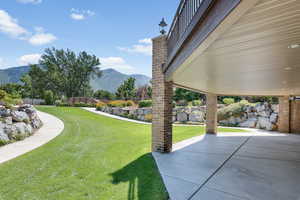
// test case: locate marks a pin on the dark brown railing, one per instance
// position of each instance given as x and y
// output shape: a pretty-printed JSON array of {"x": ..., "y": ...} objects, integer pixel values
[{"x": 183, "y": 23}]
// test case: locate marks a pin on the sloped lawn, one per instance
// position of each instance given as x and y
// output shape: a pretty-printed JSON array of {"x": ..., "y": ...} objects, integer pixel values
[{"x": 94, "y": 158}]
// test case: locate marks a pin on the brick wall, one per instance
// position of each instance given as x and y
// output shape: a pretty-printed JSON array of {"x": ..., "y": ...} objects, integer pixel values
[
  {"x": 284, "y": 114},
  {"x": 295, "y": 117},
  {"x": 162, "y": 99}
]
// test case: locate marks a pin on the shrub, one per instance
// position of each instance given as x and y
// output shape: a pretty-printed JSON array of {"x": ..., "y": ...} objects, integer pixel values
[
  {"x": 58, "y": 102},
  {"x": 49, "y": 97},
  {"x": 100, "y": 105},
  {"x": 228, "y": 101},
  {"x": 130, "y": 103},
  {"x": 3, "y": 94},
  {"x": 197, "y": 103},
  {"x": 148, "y": 117},
  {"x": 9, "y": 100},
  {"x": 120, "y": 103},
  {"x": 235, "y": 109},
  {"x": 145, "y": 103},
  {"x": 82, "y": 104}
]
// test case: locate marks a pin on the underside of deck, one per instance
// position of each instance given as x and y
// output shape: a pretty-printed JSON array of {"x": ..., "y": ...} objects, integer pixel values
[{"x": 248, "y": 47}]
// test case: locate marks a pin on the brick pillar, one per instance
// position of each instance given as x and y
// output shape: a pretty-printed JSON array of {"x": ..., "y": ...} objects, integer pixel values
[
  {"x": 211, "y": 113},
  {"x": 162, "y": 99},
  {"x": 295, "y": 116},
  {"x": 284, "y": 114}
]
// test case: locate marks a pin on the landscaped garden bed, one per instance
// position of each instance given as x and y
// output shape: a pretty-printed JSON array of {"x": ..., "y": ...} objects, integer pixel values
[{"x": 240, "y": 114}]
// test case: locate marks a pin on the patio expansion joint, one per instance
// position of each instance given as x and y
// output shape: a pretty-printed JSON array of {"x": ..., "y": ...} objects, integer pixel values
[
  {"x": 228, "y": 193},
  {"x": 218, "y": 169},
  {"x": 264, "y": 158}
]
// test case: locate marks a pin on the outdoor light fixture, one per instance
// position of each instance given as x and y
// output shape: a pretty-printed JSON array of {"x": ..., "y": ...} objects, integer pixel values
[{"x": 162, "y": 26}]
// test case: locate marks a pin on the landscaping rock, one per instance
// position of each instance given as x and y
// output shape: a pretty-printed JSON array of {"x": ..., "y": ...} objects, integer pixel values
[
  {"x": 274, "y": 118},
  {"x": 19, "y": 116},
  {"x": 264, "y": 123},
  {"x": 22, "y": 130},
  {"x": 182, "y": 117},
  {"x": 197, "y": 116},
  {"x": 3, "y": 136},
  {"x": 18, "y": 123},
  {"x": 4, "y": 112},
  {"x": 250, "y": 123}
]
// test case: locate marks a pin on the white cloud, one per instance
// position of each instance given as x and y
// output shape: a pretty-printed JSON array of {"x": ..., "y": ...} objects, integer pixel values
[
  {"x": 42, "y": 39},
  {"x": 30, "y": 1},
  {"x": 144, "y": 46},
  {"x": 29, "y": 59},
  {"x": 145, "y": 41},
  {"x": 10, "y": 26},
  {"x": 77, "y": 14},
  {"x": 116, "y": 63}
]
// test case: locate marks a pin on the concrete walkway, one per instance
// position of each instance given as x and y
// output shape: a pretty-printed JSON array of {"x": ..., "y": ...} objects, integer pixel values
[
  {"x": 233, "y": 166},
  {"x": 52, "y": 127}
]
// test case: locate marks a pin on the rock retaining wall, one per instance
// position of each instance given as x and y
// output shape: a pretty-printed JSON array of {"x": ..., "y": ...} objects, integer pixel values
[
  {"x": 261, "y": 116},
  {"x": 18, "y": 123}
]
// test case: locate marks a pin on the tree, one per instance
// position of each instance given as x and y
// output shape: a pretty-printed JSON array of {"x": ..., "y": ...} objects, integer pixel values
[
  {"x": 64, "y": 73},
  {"x": 183, "y": 94},
  {"x": 103, "y": 94},
  {"x": 49, "y": 97},
  {"x": 126, "y": 91}
]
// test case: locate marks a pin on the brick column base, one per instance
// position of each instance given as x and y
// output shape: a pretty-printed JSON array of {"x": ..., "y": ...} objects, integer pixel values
[
  {"x": 162, "y": 99},
  {"x": 295, "y": 116},
  {"x": 211, "y": 113},
  {"x": 284, "y": 114}
]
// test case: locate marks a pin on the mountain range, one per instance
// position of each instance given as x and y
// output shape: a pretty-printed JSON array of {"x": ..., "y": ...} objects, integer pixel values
[{"x": 110, "y": 80}]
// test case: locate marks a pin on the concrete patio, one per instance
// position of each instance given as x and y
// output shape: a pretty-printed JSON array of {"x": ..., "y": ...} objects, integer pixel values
[{"x": 254, "y": 166}]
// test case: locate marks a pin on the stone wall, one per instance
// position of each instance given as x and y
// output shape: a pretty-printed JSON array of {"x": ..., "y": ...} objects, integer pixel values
[
  {"x": 261, "y": 116},
  {"x": 18, "y": 123}
]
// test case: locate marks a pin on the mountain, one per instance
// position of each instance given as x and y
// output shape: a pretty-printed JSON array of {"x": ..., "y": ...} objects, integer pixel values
[
  {"x": 12, "y": 75},
  {"x": 110, "y": 80}
]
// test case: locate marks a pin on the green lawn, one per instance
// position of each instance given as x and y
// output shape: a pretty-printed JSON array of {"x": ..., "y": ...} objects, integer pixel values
[{"x": 94, "y": 158}]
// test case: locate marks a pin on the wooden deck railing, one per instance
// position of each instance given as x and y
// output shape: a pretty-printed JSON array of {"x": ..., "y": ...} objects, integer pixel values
[{"x": 187, "y": 16}]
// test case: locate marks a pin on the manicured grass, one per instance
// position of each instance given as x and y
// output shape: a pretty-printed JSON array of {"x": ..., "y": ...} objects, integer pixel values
[{"x": 94, "y": 158}]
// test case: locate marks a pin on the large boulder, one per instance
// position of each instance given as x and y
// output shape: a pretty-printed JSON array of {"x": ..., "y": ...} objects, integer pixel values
[
  {"x": 19, "y": 116},
  {"x": 274, "y": 118},
  {"x": 197, "y": 116},
  {"x": 21, "y": 130},
  {"x": 182, "y": 117},
  {"x": 3, "y": 135},
  {"x": 4, "y": 112},
  {"x": 265, "y": 123},
  {"x": 249, "y": 123}
]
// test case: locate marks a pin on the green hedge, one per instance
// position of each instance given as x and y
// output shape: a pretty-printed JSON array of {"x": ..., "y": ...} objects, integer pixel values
[{"x": 145, "y": 103}]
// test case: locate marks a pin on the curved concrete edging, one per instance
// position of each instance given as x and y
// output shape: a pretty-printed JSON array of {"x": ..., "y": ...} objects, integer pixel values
[
  {"x": 51, "y": 128},
  {"x": 93, "y": 110}
]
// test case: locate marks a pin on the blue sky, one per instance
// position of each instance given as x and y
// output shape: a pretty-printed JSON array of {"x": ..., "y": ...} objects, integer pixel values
[{"x": 117, "y": 31}]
